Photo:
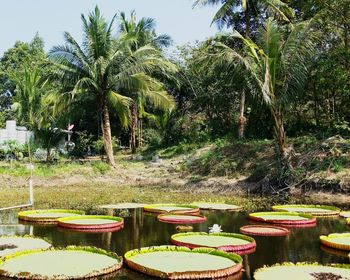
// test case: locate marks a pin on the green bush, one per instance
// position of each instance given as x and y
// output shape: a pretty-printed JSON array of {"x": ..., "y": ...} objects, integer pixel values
[
  {"x": 12, "y": 148},
  {"x": 100, "y": 167},
  {"x": 152, "y": 137}
]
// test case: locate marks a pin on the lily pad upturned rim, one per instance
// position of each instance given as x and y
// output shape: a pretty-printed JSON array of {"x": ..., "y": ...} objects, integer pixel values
[
  {"x": 246, "y": 248},
  {"x": 188, "y": 208},
  {"x": 310, "y": 219},
  {"x": 299, "y": 264},
  {"x": 67, "y": 222},
  {"x": 192, "y": 219},
  {"x": 203, "y": 205},
  {"x": 205, "y": 274},
  {"x": 332, "y": 210},
  {"x": 281, "y": 231},
  {"x": 24, "y": 215},
  {"x": 327, "y": 241},
  {"x": 86, "y": 249}
]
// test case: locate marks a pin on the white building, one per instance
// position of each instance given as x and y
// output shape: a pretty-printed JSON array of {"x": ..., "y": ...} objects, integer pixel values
[{"x": 14, "y": 132}]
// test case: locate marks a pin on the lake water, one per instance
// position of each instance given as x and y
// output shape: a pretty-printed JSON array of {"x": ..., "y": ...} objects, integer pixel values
[{"x": 142, "y": 230}]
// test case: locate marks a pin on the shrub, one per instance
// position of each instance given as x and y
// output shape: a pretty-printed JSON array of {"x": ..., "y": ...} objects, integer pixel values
[
  {"x": 152, "y": 137},
  {"x": 100, "y": 167}
]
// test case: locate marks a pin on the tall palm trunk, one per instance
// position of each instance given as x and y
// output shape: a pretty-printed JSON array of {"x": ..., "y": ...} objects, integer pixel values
[
  {"x": 107, "y": 135},
  {"x": 280, "y": 137},
  {"x": 242, "y": 121},
  {"x": 133, "y": 127},
  {"x": 140, "y": 138}
]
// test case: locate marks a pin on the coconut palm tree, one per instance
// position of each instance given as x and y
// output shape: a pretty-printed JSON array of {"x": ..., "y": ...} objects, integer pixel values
[
  {"x": 103, "y": 68},
  {"x": 276, "y": 67},
  {"x": 139, "y": 34},
  {"x": 278, "y": 8}
]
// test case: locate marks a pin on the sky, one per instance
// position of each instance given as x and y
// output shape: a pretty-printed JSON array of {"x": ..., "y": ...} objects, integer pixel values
[{"x": 22, "y": 19}]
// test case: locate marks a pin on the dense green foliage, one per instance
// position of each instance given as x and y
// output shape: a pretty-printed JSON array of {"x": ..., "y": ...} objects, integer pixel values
[{"x": 281, "y": 68}]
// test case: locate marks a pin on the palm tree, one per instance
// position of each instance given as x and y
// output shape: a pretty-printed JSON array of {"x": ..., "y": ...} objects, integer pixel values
[
  {"x": 278, "y": 8},
  {"x": 277, "y": 67},
  {"x": 103, "y": 68},
  {"x": 30, "y": 89},
  {"x": 139, "y": 34},
  {"x": 34, "y": 106}
]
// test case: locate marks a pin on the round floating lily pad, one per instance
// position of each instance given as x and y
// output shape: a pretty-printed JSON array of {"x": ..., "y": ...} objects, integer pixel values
[
  {"x": 12, "y": 244},
  {"x": 181, "y": 219},
  {"x": 171, "y": 208},
  {"x": 229, "y": 242},
  {"x": 339, "y": 241},
  {"x": 285, "y": 218},
  {"x": 47, "y": 216},
  {"x": 264, "y": 230},
  {"x": 172, "y": 262},
  {"x": 345, "y": 214},
  {"x": 302, "y": 271},
  {"x": 68, "y": 263},
  {"x": 329, "y": 250},
  {"x": 216, "y": 206},
  {"x": 315, "y": 210},
  {"x": 89, "y": 223},
  {"x": 120, "y": 206}
]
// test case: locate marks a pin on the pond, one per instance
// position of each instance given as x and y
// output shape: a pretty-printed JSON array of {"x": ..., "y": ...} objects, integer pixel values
[{"x": 142, "y": 230}]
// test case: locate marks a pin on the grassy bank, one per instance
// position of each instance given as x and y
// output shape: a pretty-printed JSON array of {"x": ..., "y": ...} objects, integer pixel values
[
  {"x": 89, "y": 196},
  {"x": 222, "y": 171}
]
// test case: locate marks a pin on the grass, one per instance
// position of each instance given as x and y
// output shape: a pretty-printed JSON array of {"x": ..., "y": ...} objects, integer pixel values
[{"x": 89, "y": 196}]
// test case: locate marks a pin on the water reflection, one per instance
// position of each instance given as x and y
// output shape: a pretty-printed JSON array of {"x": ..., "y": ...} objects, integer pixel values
[{"x": 142, "y": 230}]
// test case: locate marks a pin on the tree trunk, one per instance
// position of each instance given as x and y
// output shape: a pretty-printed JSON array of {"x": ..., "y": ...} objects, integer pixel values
[
  {"x": 280, "y": 136},
  {"x": 140, "y": 139},
  {"x": 133, "y": 127},
  {"x": 107, "y": 135},
  {"x": 242, "y": 119}
]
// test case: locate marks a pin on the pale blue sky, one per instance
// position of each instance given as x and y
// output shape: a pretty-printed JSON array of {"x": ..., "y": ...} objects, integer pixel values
[{"x": 21, "y": 19}]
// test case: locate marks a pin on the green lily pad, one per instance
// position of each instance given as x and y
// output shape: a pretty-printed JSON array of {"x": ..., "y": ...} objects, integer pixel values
[
  {"x": 302, "y": 271},
  {"x": 68, "y": 263},
  {"x": 172, "y": 262},
  {"x": 315, "y": 210},
  {"x": 12, "y": 244}
]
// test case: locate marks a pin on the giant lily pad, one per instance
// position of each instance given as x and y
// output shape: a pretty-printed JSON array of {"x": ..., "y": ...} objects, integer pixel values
[
  {"x": 303, "y": 271},
  {"x": 339, "y": 241},
  {"x": 264, "y": 230},
  {"x": 345, "y": 214},
  {"x": 285, "y": 218},
  {"x": 181, "y": 219},
  {"x": 172, "y": 262},
  {"x": 91, "y": 223},
  {"x": 121, "y": 206},
  {"x": 12, "y": 244},
  {"x": 68, "y": 263},
  {"x": 47, "y": 216},
  {"x": 171, "y": 208},
  {"x": 216, "y": 206},
  {"x": 229, "y": 242},
  {"x": 315, "y": 210}
]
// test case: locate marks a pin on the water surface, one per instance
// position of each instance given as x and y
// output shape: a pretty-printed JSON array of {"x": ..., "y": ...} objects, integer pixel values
[{"x": 142, "y": 230}]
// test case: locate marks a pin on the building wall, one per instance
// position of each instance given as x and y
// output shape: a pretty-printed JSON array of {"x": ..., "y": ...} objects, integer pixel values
[{"x": 14, "y": 132}]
